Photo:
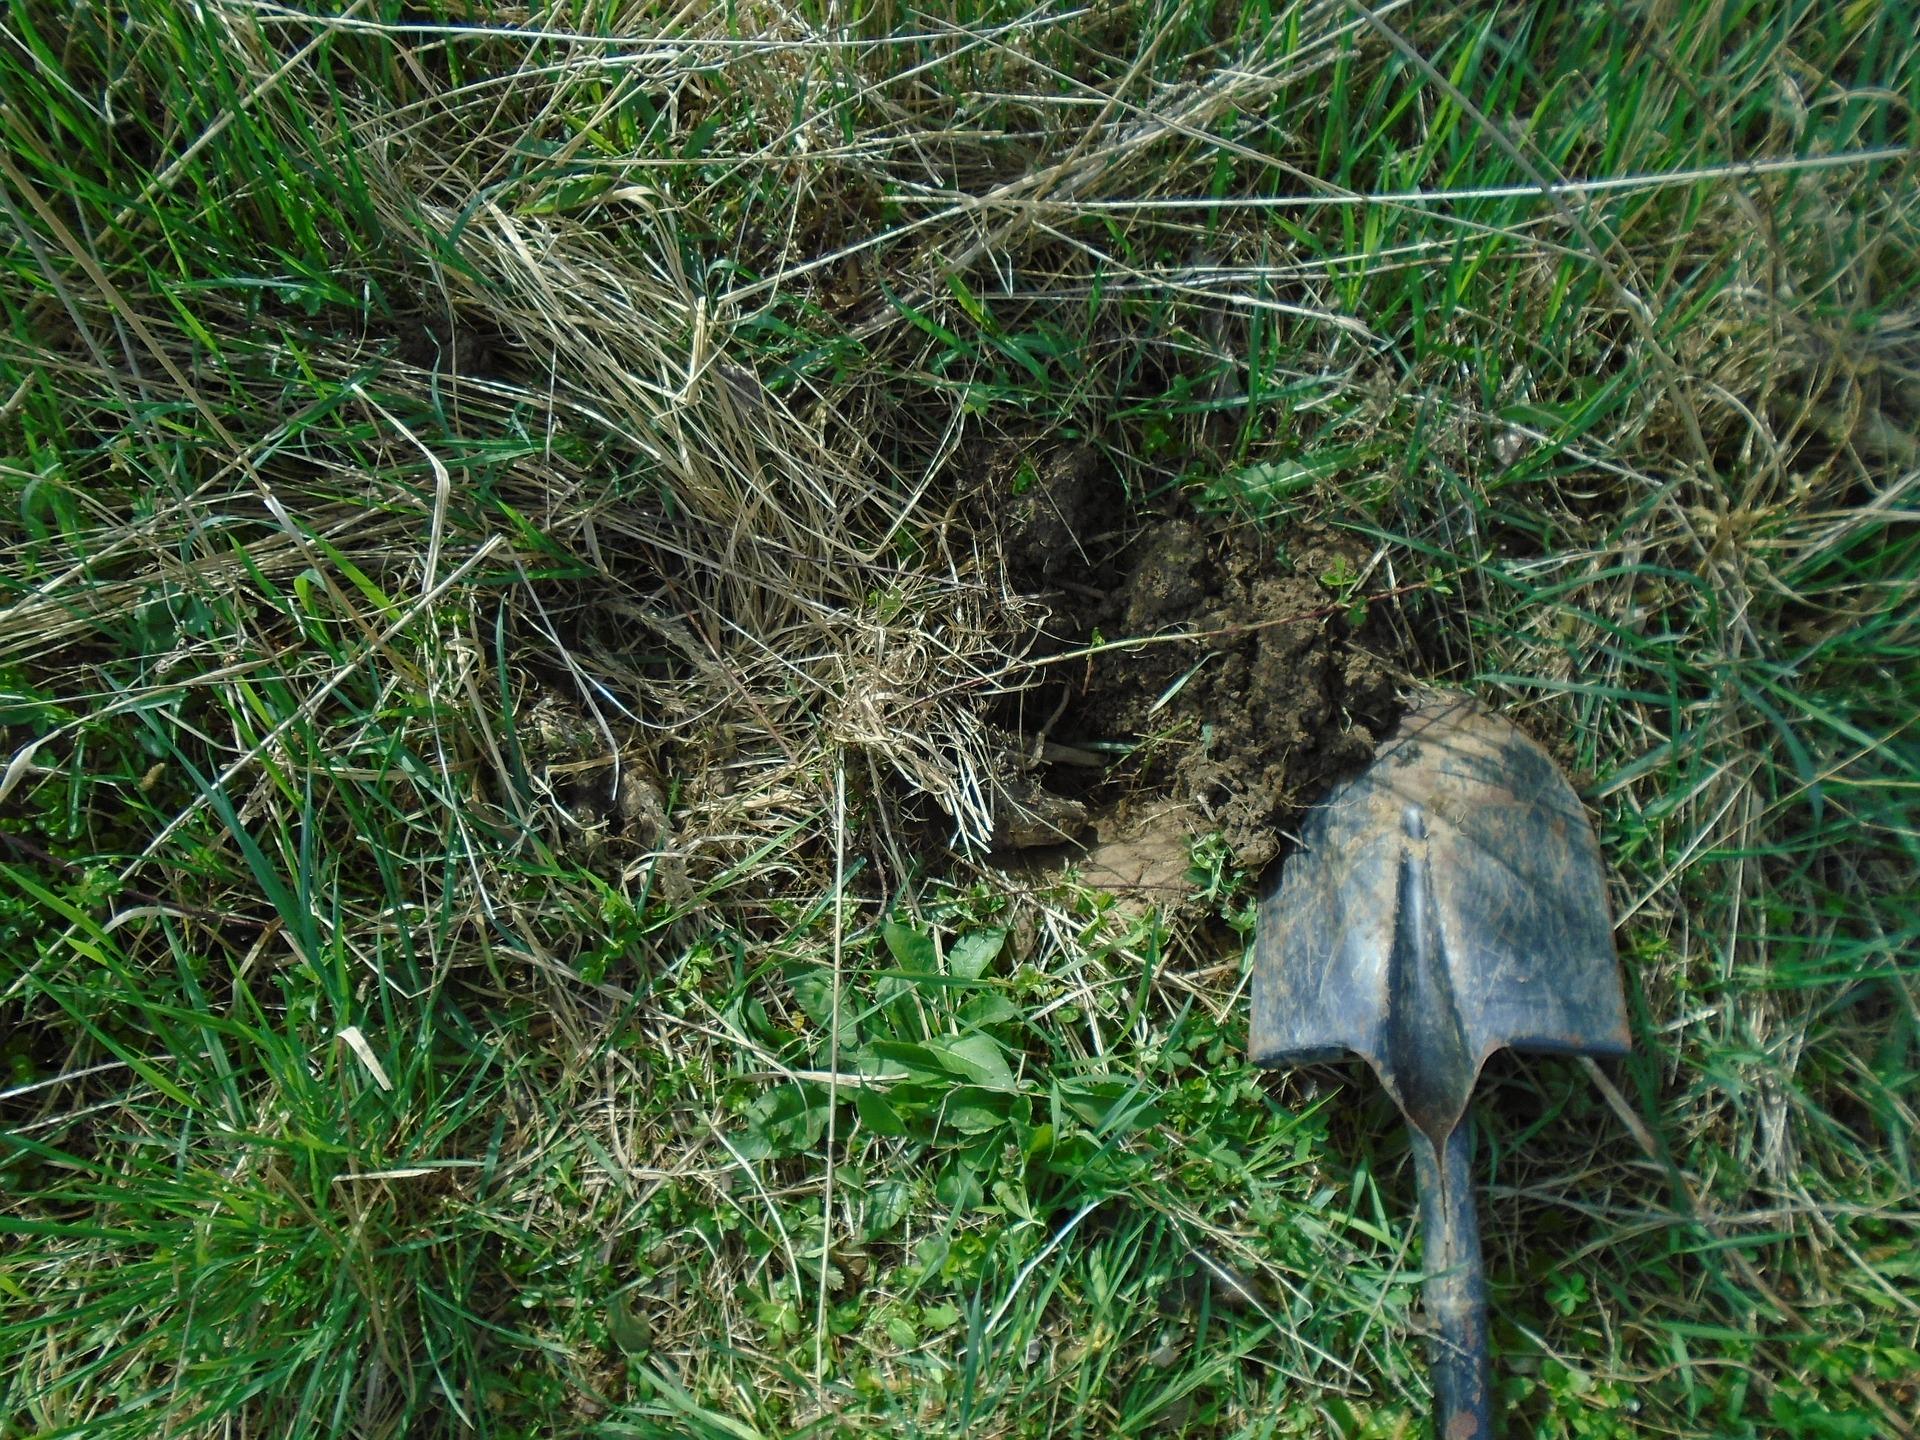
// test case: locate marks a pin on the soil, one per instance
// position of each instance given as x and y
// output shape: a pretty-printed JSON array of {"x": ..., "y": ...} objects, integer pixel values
[{"x": 1233, "y": 672}]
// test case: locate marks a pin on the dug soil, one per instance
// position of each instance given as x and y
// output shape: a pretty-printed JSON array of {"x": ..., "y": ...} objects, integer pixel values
[{"x": 1203, "y": 675}]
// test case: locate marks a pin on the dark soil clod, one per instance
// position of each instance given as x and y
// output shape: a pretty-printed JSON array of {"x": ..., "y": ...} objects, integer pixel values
[{"x": 1232, "y": 673}]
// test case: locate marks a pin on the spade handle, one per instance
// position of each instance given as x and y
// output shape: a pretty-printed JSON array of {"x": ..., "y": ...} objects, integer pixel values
[{"x": 1456, "y": 1288}]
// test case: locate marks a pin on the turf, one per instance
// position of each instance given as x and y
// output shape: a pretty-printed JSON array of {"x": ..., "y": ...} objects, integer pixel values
[{"x": 499, "y": 620}]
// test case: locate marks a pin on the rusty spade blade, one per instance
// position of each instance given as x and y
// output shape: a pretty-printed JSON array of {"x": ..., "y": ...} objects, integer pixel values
[{"x": 1446, "y": 903}]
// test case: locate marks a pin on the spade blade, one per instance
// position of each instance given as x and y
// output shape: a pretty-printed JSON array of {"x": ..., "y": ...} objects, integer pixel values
[{"x": 1447, "y": 902}]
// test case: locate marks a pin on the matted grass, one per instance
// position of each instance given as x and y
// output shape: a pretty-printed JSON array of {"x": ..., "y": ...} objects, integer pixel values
[{"x": 502, "y": 627}]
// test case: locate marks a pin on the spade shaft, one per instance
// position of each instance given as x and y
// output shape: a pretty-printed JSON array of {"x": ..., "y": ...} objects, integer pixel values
[
  {"x": 1456, "y": 1288},
  {"x": 1427, "y": 1047},
  {"x": 1447, "y": 902}
]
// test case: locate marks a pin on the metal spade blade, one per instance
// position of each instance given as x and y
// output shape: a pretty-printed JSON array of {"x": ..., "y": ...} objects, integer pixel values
[{"x": 1446, "y": 903}]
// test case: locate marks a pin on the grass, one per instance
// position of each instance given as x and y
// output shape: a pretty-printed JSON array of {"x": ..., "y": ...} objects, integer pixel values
[{"x": 500, "y": 635}]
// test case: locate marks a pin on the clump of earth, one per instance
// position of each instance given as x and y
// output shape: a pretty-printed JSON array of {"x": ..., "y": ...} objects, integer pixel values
[{"x": 1204, "y": 675}]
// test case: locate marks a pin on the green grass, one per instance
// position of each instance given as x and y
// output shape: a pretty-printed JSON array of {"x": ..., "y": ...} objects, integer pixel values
[{"x": 496, "y": 621}]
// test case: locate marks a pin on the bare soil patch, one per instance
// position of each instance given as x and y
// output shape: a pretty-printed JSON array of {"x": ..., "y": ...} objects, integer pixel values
[{"x": 1204, "y": 674}]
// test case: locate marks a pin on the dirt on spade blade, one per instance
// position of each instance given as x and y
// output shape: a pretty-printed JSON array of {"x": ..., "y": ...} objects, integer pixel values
[{"x": 1204, "y": 675}]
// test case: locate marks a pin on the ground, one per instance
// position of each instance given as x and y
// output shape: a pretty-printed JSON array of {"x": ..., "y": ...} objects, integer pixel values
[
  {"x": 1277, "y": 691},
  {"x": 653, "y": 656}
]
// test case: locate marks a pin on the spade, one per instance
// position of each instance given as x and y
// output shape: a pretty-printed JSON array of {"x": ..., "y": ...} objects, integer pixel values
[{"x": 1447, "y": 902}]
